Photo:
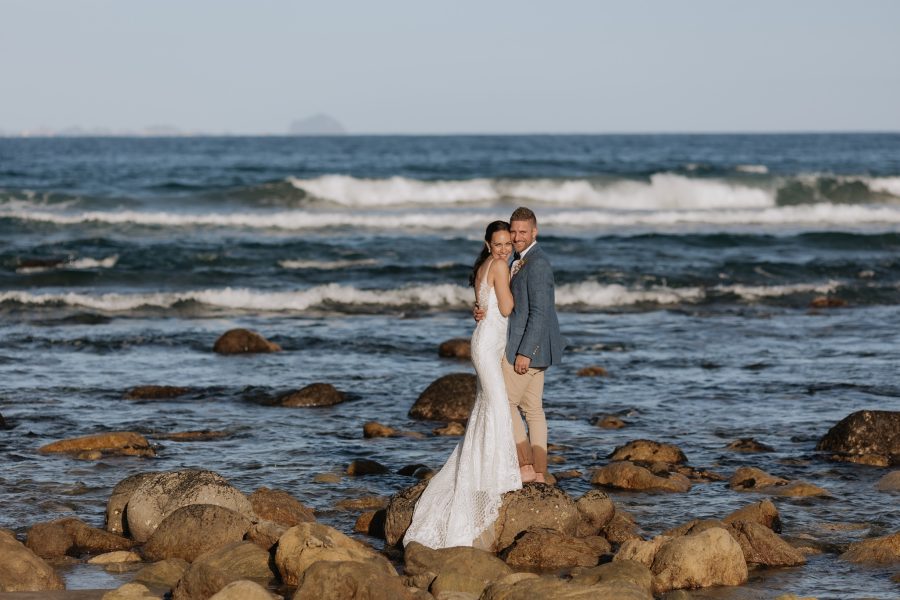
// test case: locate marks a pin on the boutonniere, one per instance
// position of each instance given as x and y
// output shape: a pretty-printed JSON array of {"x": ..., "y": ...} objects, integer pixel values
[{"x": 517, "y": 266}]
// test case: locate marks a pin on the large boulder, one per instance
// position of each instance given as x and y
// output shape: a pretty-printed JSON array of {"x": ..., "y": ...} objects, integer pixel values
[
  {"x": 163, "y": 575},
  {"x": 549, "y": 550},
  {"x": 448, "y": 398},
  {"x": 763, "y": 512},
  {"x": 307, "y": 543},
  {"x": 72, "y": 537},
  {"x": 315, "y": 394},
  {"x": 762, "y": 546},
  {"x": 280, "y": 507},
  {"x": 706, "y": 559},
  {"x": 865, "y": 432},
  {"x": 620, "y": 573},
  {"x": 115, "y": 507},
  {"x": 243, "y": 341},
  {"x": 621, "y": 528},
  {"x": 329, "y": 580},
  {"x": 880, "y": 550},
  {"x": 21, "y": 570},
  {"x": 125, "y": 443},
  {"x": 648, "y": 451},
  {"x": 399, "y": 512},
  {"x": 535, "y": 506},
  {"x": 459, "y": 569},
  {"x": 159, "y": 496},
  {"x": 629, "y": 476},
  {"x": 889, "y": 483},
  {"x": 243, "y": 589},
  {"x": 194, "y": 530},
  {"x": 595, "y": 510},
  {"x": 751, "y": 479},
  {"x": 214, "y": 570}
]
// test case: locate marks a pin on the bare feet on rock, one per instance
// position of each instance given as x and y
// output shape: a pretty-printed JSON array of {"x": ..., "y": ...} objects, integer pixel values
[{"x": 528, "y": 474}]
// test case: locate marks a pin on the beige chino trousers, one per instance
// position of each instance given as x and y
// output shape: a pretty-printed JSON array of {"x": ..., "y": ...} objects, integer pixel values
[{"x": 525, "y": 393}]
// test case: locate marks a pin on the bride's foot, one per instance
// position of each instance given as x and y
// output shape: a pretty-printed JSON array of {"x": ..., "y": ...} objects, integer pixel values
[{"x": 528, "y": 474}]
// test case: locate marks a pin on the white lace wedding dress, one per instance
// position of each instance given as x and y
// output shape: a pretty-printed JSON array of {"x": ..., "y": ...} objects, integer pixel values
[{"x": 462, "y": 501}]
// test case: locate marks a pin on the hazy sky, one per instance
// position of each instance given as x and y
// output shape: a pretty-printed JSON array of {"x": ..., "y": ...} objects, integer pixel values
[{"x": 452, "y": 67}]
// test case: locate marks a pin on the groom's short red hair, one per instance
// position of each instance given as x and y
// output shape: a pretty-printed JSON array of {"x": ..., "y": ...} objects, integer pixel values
[{"x": 523, "y": 214}]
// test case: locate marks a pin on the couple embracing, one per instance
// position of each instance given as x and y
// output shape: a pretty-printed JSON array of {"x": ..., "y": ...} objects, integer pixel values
[{"x": 517, "y": 337}]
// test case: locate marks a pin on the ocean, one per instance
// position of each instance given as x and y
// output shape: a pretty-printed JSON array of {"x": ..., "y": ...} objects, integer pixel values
[{"x": 687, "y": 266}]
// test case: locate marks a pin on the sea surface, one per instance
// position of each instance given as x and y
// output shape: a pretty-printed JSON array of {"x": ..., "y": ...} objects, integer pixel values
[{"x": 686, "y": 266}]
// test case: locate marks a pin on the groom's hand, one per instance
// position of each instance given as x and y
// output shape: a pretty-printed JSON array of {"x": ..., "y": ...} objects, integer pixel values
[
  {"x": 478, "y": 313},
  {"x": 522, "y": 364}
]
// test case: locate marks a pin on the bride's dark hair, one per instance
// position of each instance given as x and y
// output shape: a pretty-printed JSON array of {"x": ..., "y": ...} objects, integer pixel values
[{"x": 488, "y": 234}]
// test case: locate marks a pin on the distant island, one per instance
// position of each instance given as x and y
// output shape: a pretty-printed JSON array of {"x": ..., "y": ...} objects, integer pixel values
[{"x": 318, "y": 124}]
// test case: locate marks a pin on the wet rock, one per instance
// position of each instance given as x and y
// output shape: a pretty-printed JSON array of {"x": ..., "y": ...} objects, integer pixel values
[
  {"x": 374, "y": 429},
  {"x": 749, "y": 478},
  {"x": 593, "y": 371},
  {"x": 162, "y": 575},
  {"x": 364, "y": 503},
  {"x": 650, "y": 452},
  {"x": 880, "y": 550},
  {"x": 133, "y": 591},
  {"x": 451, "y": 428},
  {"x": 243, "y": 590},
  {"x": 155, "y": 392},
  {"x": 621, "y": 573},
  {"x": 696, "y": 475},
  {"x": 621, "y": 528},
  {"x": 874, "y": 432},
  {"x": 213, "y": 571},
  {"x": 313, "y": 395},
  {"x": 608, "y": 422},
  {"x": 761, "y": 546},
  {"x": 409, "y": 470},
  {"x": 629, "y": 476},
  {"x": 641, "y": 551},
  {"x": 191, "y": 436},
  {"x": 889, "y": 483},
  {"x": 159, "y": 496},
  {"x": 549, "y": 550},
  {"x": 827, "y": 302},
  {"x": 595, "y": 511},
  {"x": 756, "y": 480},
  {"x": 280, "y": 507},
  {"x": 364, "y": 466},
  {"x": 763, "y": 512},
  {"x": 749, "y": 445},
  {"x": 870, "y": 460},
  {"x": 694, "y": 526},
  {"x": 327, "y": 478},
  {"x": 72, "y": 537},
  {"x": 371, "y": 523},
  {"x": 536, "y": 505},
  {"x": 126, "y": 443},
  {"x": 194, "y": 530},
  {"x": 307, "y": 543},
  {"x": 265, "y": 534},
  {"x": 21, "y": 570},
  {"x": 243, "y": 341},
  {"x": 568, "y": 474},
  {"x": 400, "y": 511},
  {"x": 342, "y": 580},
  {"x": 119, "y": 556},
  {"x": 460, "y": 569},
  {"x": 697, "y": 561},
  {"x": 448, "y": 398},
  {"x": 455, "y": 348},
  {"x": 118, "y": 499}
]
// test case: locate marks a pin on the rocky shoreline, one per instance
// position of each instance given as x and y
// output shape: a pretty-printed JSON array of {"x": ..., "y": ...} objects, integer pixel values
[{"x": 190, "y": 534}]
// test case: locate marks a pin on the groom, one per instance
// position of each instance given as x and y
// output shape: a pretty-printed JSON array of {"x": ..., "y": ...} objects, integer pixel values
[{"x": 533, "y": 343}]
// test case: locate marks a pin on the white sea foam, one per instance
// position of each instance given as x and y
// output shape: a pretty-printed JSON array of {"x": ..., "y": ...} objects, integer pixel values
[
  {"x": 663, "y": 191},
  {"x": 326, "y": 265},
  {"x": 758, "y": 169},
  {"x": 571, "y": 296},
  {"x": 77, "y": 264},
  {"x": 887, "y": 185}
]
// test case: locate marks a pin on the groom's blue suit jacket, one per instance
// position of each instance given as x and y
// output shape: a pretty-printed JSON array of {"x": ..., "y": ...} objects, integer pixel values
[{"x": 533, "y": 326}]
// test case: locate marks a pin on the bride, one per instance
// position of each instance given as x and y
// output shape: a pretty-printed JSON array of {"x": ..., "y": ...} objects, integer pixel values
[{"x": 461, "y": 502}]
